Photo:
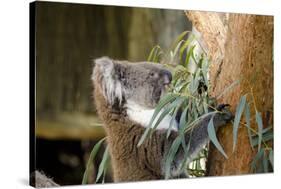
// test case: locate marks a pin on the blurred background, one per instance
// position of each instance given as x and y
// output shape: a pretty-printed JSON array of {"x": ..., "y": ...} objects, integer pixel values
[{"x": 68, "y": 38}]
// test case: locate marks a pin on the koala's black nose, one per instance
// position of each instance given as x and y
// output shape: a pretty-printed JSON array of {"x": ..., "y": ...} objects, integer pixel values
[{"x": 167, "y": 76}]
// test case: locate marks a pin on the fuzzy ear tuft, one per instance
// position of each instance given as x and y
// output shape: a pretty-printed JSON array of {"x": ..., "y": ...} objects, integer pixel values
[
  {"x": 105, "y": 64},
  {"x": 111, "y": 88}
]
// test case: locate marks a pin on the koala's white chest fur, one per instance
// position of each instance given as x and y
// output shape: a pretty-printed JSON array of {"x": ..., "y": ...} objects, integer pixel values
[{"x": 143, "y": 116}]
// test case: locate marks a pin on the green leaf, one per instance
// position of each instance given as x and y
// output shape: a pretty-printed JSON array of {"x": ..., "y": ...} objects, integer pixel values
[
  {"x": 260, "y": 127},
  {"x": 166, "y": 110},
  {"x": 193, "y": 124},
  {"x": 174, "y": 117},
  {"x": 179, "y": 38},
  {"x": 238, "y": 114},
  {"x": 256, "y": 159},
  {"x": 177, "y": 47},
  {"x": 248, "y": 125},
  {"x": 103, "y": 164},
  {"x": 185, "y": 45},
  {"x": 205, "y": 66},
  {"x": 265, "y": 163},
  {"x": 265, "y": 137},
  {"x": 91, "y": 159},
  {"x": 153, "y": 53},
  {"x": 193, "y": 87},
  {"x": 194, "y": 58},
  {"x": 270, "y": 156},
  {"x": 182, "y": 122},
  {"x": 205, "y": 105},
  {"x": 187, "y": 58},
  {"x": 186, "y": 150},
  {"x": 170, "y": 156},
  {"x": 213, "y": 137},
  {"x": 170, "y": 97}
]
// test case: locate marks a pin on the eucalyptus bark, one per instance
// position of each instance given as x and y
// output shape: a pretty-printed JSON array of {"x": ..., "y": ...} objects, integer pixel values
[{"x": 240, "y": 47}]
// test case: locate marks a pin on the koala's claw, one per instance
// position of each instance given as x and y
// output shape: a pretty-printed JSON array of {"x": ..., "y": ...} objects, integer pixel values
[
  {"x": 226, "y": 114},
  {"x": 222, "y": 106}
]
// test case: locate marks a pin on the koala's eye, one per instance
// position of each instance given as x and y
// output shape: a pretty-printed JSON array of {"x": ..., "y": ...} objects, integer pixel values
[
  {"x": 152, "y": 74},
  {"x": 122, "y": 77}
]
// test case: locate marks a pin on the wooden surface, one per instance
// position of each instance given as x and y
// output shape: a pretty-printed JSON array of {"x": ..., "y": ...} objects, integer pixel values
[{"x": 73, "y": 126}]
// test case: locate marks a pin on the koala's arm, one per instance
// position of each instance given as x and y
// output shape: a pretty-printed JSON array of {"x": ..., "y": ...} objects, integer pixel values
[{"x": 197, "y": 138}]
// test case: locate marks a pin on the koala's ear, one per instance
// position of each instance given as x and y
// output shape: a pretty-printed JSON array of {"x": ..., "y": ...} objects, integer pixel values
[
  {"x": 105, "y": 65},
  {"x": 105, "y": 72}
]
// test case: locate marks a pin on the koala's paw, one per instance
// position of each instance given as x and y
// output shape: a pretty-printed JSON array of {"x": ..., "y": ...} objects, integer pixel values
[{"x": 225, "y": 113}]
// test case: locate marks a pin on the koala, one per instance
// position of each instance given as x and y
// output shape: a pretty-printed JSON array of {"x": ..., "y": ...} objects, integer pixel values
[{"x": 126, "y": 95}]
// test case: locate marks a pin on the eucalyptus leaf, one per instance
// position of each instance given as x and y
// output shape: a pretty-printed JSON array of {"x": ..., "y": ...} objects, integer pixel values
[
  {"x": 170, "y": 156},
  {"x": 103, "y": 164},
  {"x": 182, "y": 122},
  {"x": 91, "y": 159},
  {"x": 174, "y": 116},
  {"x": 166, "y": 111},
  {"x": 248, "y": 123},
  {"x": 270, "y": 156},
  {"x": 265, "y": 163},
  {"x": 170, "y": 97},
  {"x": 213, "y": 137},
  {"x": 188, "y": 55},
  {"x": 153, "y": 52},
  {"x": 193, "y": 124},
  {"x": 177, "y": 47},
  {"x": 238, "y": 114},
  {"x": 260, "y": 127},
  {"x": 185, "y": 46},
  {"x": 256, "y": 160},
  {"x": 179, "y": 38},
  {"x": 265, "y": 137}
]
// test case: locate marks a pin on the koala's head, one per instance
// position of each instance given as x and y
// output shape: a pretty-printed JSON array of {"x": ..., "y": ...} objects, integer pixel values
[{"x": 142, "y": 83}]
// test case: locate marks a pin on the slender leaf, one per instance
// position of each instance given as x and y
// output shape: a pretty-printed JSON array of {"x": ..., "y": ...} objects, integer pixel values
[
  {"x": 266, "y": 129},
  {"x": 177, "y": 47},
  {"x": 171, "y": 154},
  {"x": 152, "y": 53},
  {"x": 185, "y": 45},
  {"x": 179, "y": 38},
  {"x": 166, "y": 110},
  {"x": 213, "y": 137},
  {"x": 265, "y": 163},
  {"x": 91, "y": 159},
  {"x": 270, "y": 156},
  {"x": 238, "y": 114},
  {"x": 193, "y": 124},
  {"x": 183, "y": 122},
  {"x": 187, "y": 58},
  {"x": 205, "y": 66},
  {"x": 248, "y": 123},
  {"x": 103, "y": 164},
  {"x": 170, "y": 97},
  {"x": 265, "y": 137},
  {"x": 194, "y": 58},
  {"x": 256, "y": 159},
  {"x": 174, "y": 117},
  {"x": 163, "y": 102},
  {"x": 260, "y": 127}
]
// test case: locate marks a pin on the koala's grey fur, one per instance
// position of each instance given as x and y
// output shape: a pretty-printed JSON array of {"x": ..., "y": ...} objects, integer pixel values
[
  {"x": 40, "y": 180},
  {"x": 126, "y": 95},
  {"x": 139, "y": 82}
]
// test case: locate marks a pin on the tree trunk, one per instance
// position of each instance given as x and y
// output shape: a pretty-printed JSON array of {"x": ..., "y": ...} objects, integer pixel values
[{"x": 240, "y": 47}]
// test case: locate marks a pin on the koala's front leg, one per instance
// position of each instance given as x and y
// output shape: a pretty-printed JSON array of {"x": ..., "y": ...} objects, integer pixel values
[{"x": 198, "y": 137}]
